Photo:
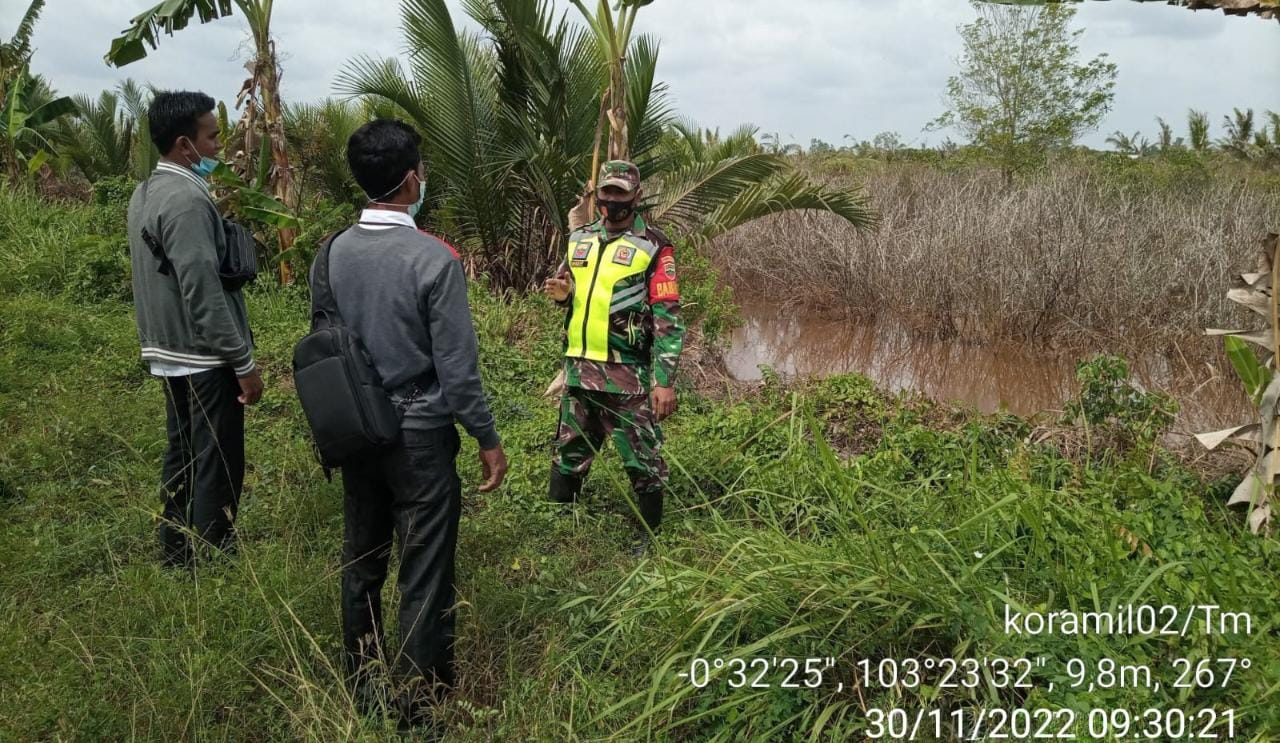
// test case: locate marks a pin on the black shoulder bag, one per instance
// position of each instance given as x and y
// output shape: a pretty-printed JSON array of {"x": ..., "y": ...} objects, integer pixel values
[
  {"x": 348, "y": 409},
  {"x": 237, "y": 267}
]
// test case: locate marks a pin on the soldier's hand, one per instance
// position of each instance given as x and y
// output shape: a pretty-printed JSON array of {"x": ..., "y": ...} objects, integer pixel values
[
  {"x": 664, "y": 402},
  {"x": 493, "y": 462},
  {"x": 556, "y": 288}
]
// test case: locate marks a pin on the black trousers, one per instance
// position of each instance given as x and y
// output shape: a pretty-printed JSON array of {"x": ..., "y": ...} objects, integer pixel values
[
  {"x": 203, "y": 471},
  {"x": 410, "y": 490}
]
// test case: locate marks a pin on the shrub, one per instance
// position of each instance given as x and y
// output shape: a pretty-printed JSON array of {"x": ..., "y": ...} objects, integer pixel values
[
  {"x": 1109, "y": 401},
  {"x": 101, "y": 269}
]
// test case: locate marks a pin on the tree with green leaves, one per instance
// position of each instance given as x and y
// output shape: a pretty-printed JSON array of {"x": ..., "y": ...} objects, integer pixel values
[
  {"x": 510, "y": 117},
  {"x": 1198, "y": 130},
  {"x": 1022, "y": 89},
  {"x": 136, "y": 99},
  {"x": 29, "y": 124},
  {"x": 28, "y": 109},
  {"x": 15, "y": 54},
  {"x": 317, "y": 135},
  {"x": 261, "y": 128},
  {"x": 1239, "y": 127},
  {"x": 1167, "y": 140},
  {"x": 1133, "y": 145},
  {"x": 104, "y": 135},
  {"x": 1261, "y": 8}
]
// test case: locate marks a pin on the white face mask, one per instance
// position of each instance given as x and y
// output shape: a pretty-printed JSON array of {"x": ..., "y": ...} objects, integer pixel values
[{"x": 416, "y": 206}]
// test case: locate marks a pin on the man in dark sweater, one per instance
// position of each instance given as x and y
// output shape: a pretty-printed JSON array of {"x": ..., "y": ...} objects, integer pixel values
[
  {"x": 194, "y": 331},
  {"x": 404, "y": 293}
]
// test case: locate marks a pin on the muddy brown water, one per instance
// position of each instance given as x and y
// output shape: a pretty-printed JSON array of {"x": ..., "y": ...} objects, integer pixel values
[{"x": 1016, "y": 377}]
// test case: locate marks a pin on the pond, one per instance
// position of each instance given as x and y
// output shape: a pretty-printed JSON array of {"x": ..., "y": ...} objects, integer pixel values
[{"x": 1012, "y": 376}]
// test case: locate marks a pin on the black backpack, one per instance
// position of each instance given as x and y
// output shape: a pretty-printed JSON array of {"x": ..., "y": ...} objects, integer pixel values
[{"x": 350, "y": 412}]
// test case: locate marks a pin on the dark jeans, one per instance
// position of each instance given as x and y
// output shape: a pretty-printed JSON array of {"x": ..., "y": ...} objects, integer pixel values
[
  {"x": 410, "y": 490},
  {"x": 203, "y": 470}
]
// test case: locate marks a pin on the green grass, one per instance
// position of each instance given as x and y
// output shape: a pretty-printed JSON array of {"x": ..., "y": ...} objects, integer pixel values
[{"x": 807, "y": 521}]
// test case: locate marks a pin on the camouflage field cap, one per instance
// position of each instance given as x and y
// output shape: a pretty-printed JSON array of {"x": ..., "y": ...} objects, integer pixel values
[{"x": 620, "y": 174}]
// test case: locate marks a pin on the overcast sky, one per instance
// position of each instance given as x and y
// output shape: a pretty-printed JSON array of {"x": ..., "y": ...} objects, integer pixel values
[{"x": 801, "y": 69}]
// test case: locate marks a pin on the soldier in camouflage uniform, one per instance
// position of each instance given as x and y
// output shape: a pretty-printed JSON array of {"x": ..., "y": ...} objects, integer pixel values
[{"x": 623, "y": 338}]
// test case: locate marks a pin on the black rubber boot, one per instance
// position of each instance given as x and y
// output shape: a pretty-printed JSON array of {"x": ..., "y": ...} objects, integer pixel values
[
  {"x": 564, "y": 488},
  {"x": 650, "y": 504}
]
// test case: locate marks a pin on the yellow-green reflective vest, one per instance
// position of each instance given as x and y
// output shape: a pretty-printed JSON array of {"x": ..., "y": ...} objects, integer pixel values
[{"x": 605, "y": 282}]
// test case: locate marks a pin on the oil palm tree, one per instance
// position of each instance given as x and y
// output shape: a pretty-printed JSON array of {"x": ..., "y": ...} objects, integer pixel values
[
  {"x": 686, "y": 143},
  {"x": 510, "y": 119},
  {"x": 261, "y": 129},
  {"x": 317, "y": 135},
  {"x": 135, "y": 100},
  {"x": 104, "y": 133}
]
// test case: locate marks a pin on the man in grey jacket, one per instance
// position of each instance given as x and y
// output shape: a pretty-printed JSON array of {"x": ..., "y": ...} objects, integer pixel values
[
  {"x": 404, "y": 293},
  {"x": 194, "y": 332}
]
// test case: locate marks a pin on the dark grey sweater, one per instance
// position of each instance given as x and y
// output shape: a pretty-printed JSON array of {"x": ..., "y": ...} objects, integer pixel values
[{"x": 405, "y": 294}]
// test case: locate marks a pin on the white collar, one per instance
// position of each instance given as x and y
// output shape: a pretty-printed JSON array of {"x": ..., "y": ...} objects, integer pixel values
[
  {"x": 381, "y": 219},
  {"x": 187, "y": 172}
]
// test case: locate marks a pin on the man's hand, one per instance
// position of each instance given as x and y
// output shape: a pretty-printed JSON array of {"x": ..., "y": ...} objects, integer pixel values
[
  {"x": 664, "y": 402},
  {"x": 494, "y": 464},
  {"x": 250, "y": 388},
  {"x": 556, "y": 288}
]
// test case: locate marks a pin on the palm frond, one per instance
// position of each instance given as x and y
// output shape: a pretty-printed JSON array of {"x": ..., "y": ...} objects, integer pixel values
[
  {"x": 383, "y": 79},
  {"x": 102, "y": 140},
  {"x": 793, "y": 192},
  {"x": 689, "y": 194},
  {"x": 649, "y": 109}
]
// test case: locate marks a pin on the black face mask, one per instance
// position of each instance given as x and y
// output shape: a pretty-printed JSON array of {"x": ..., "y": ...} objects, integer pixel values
[{"x": 618, "y": 211}]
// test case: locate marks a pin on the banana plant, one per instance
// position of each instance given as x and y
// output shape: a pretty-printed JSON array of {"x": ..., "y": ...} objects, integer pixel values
[
  {"x": 261, "y": 126},
  {"x": 15, "y": 53},
  {"x": 24, "y": 126},
  {"x": 1257, "y": 370}
]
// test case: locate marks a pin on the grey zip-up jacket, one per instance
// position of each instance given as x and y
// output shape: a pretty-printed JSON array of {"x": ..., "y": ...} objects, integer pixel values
[{"x": 185, "y": 317}]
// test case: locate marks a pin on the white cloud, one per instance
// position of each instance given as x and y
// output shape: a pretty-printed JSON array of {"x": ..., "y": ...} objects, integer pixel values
[{"x": 804, "y": 68}]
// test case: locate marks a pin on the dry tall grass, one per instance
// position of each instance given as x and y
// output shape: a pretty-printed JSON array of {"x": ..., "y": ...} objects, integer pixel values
[{"x": 1081, "y": 252}]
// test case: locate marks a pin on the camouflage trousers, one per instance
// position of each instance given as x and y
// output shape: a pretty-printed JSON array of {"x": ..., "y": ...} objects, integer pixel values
[{"x": 587, "y": 418}]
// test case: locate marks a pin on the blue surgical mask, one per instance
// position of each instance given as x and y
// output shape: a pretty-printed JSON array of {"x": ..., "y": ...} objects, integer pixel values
[{"x": 206, "y": 166}]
